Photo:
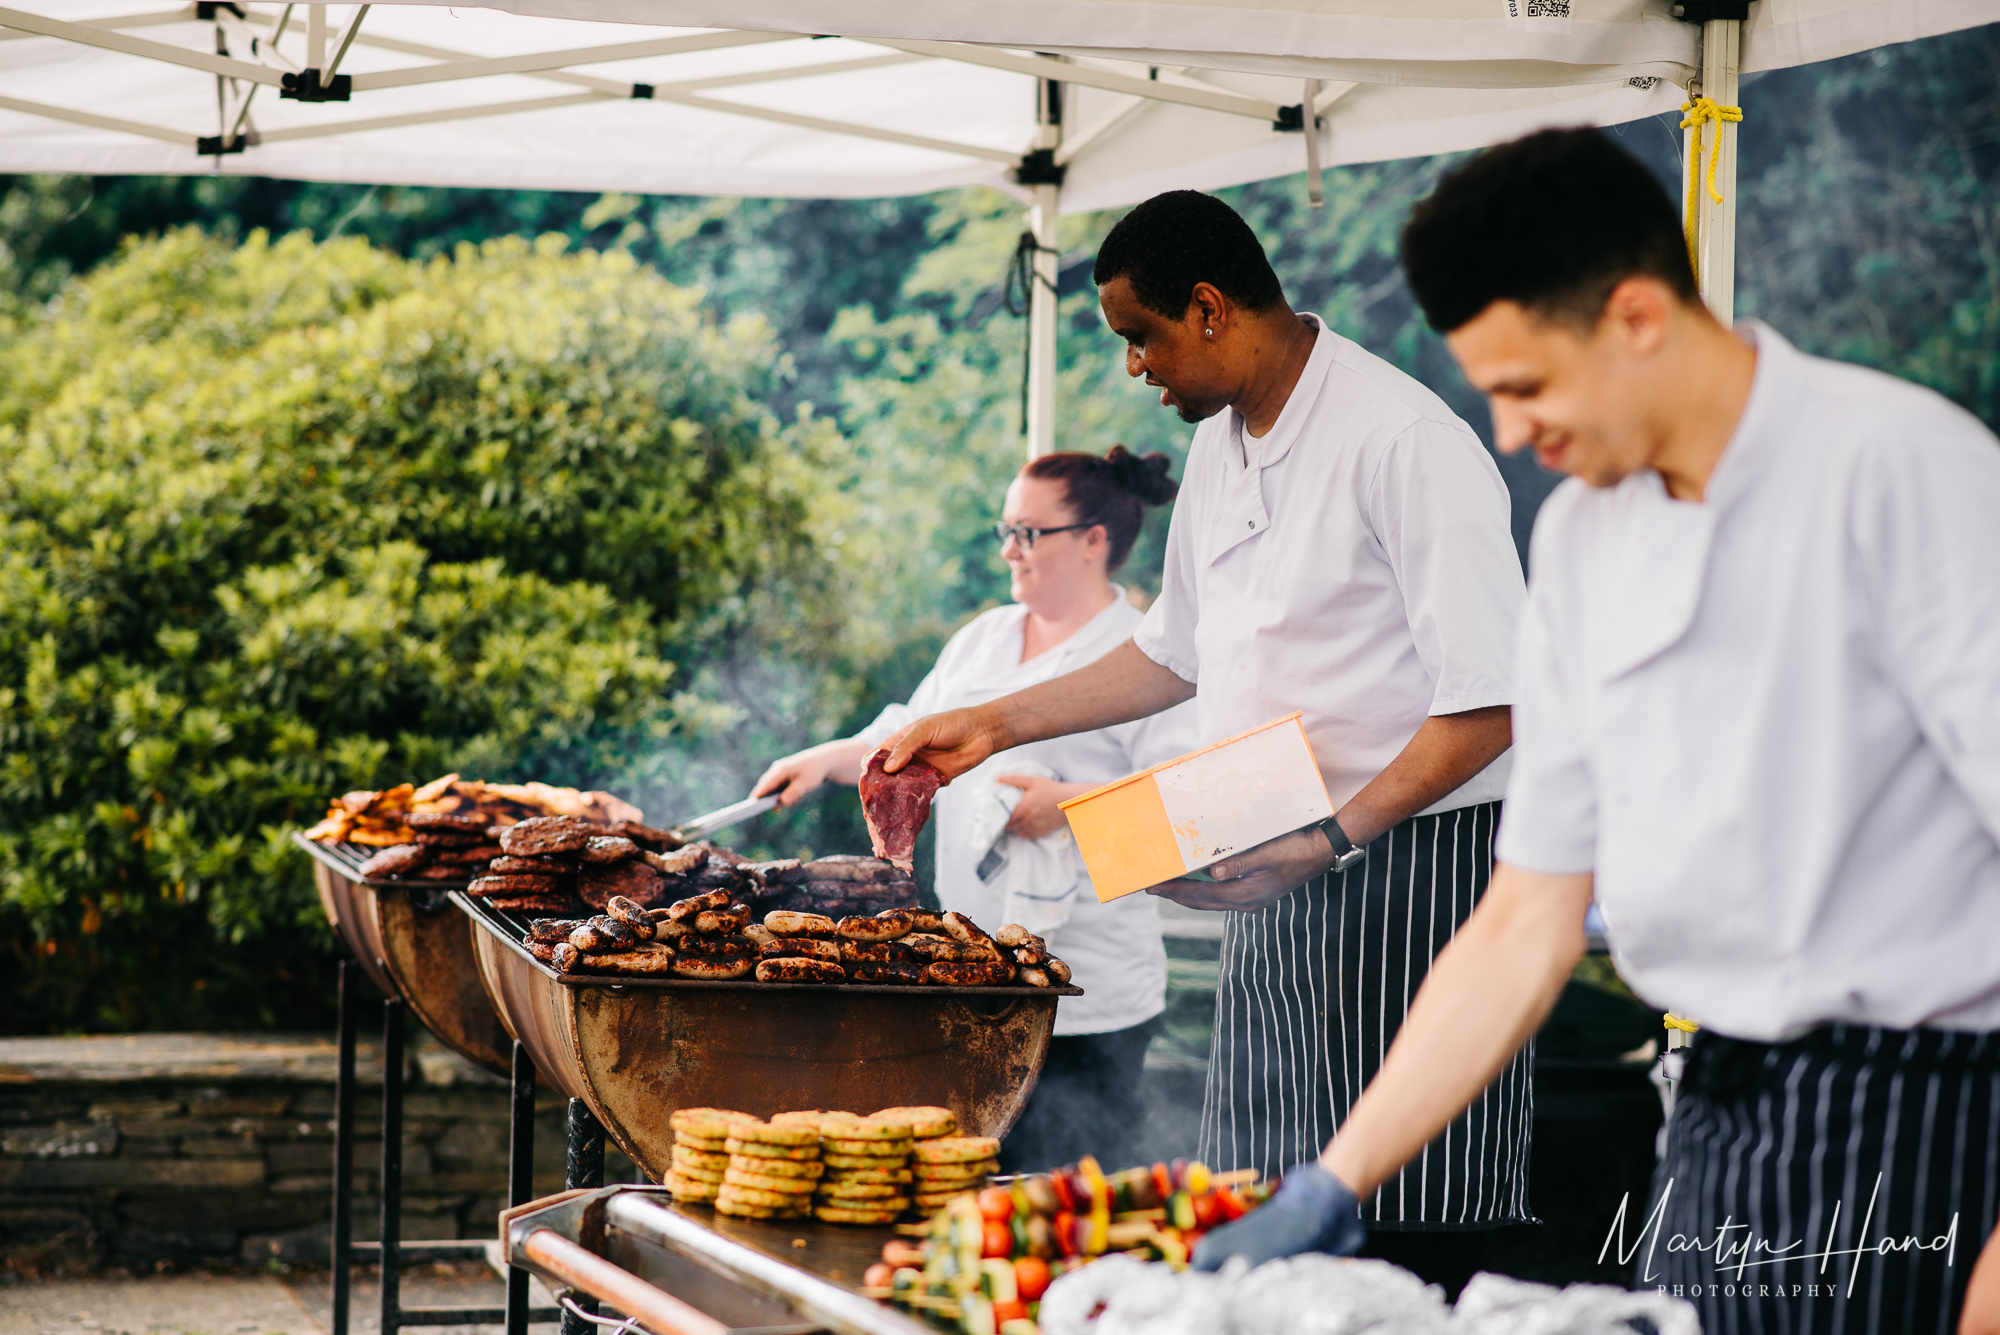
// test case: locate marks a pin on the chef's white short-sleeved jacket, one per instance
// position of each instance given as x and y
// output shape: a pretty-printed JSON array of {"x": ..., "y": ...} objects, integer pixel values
[
  {"x": 1114, "y": 950},
  {"x": 1356, "y": 563},
  {"x": 1769, "y": 721}
]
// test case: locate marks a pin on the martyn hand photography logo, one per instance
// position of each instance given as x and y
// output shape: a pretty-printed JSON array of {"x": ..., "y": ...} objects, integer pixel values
[{"x": 1735, "y": 1250}]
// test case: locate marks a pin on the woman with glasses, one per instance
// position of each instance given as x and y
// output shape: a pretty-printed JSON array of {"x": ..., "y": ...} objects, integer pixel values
[{"x": 1068, "y": 522}]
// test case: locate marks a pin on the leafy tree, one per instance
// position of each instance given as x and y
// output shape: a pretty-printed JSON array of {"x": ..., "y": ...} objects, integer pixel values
[{"x": 286, "y": 519}]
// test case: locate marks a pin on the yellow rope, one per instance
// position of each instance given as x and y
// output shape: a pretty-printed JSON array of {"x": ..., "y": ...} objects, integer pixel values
[
  {"x": 1699, "y": 111},
  {"x": 1674, "y": 1021}
]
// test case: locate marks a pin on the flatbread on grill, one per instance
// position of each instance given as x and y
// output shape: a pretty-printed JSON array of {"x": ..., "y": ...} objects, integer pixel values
[
  {"x": 956, "y": 1149},
  {"x": 709, "y": 1123},
  {"x": 926, "y": 1123}
]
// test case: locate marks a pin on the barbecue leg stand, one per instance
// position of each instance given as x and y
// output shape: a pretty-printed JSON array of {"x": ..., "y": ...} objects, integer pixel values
[
  {"x": 520, "y": 1176},
  {"x": 343, "y": 1151},
  {"x": 392, "y": 1250},
  {"x": 583, "y": 1166}
]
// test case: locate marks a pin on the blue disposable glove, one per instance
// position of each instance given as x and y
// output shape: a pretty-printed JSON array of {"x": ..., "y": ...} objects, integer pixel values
[{"x": 1312, "y": 1211}]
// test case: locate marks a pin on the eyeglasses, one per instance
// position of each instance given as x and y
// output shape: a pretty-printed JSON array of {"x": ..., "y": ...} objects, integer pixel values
[{"x": 1027, "y": 537}]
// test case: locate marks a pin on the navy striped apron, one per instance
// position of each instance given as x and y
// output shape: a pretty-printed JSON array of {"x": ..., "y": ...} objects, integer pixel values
[
  {"x": 1857, "y": 1171},
  {"x": 1311, "y": 993}
]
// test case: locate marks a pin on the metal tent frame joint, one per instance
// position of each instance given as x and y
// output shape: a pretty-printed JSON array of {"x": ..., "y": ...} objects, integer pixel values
[
  {"x": 307, "y": 86},
  {"x": 1711, "y": 11},
  {"x": 214, "y": 146},
  {"x": 642, "y": 92},
  {"x": 1039, "y": 167}
]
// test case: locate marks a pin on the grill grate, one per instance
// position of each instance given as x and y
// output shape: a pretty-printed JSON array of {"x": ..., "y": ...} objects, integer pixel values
[
  {"x": 347, "y": 859},
  {"x": 512, "y": 929}
]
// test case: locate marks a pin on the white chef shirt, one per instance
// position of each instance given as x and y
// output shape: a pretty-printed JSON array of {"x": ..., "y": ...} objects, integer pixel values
[
  {"x": 1770, "y": 721},
  {"x": 1114, "y": 950},
  {"x": 1360, "y": 568}
]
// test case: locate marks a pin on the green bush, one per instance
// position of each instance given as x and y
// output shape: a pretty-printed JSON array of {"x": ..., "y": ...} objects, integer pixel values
[{"x": 286, "y": 519}]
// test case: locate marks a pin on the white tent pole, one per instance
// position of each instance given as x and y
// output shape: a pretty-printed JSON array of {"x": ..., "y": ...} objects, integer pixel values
[
  {"x": 316, "y": 37},
  {"x": 1042, "y": 286},
  {"x": 1715, "y": 224}
]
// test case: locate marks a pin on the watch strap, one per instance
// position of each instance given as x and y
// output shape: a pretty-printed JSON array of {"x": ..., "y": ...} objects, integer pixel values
[{"x": 1345, "y": 853}]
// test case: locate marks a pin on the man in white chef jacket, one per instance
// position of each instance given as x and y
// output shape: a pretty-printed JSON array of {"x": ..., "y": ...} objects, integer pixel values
[
  {"x": 1342, "y": 547},
  {"x": 1757, "y": 716}
]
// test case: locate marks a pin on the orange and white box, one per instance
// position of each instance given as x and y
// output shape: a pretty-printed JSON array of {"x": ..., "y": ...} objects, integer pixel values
[{"x": 1182, "y": 816}]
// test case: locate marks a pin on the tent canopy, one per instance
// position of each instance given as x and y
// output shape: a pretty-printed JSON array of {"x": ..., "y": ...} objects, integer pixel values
[{"x": 582, "y": 95}]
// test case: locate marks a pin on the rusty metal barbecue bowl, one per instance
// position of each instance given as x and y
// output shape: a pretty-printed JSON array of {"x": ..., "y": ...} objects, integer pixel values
[
  {"x": 635, "y": 1049},
  {"x": 414, "y": 945}
]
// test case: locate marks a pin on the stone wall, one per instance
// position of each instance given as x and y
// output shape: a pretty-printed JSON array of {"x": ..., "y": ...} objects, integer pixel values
[{"x": 189, "y": 1150}]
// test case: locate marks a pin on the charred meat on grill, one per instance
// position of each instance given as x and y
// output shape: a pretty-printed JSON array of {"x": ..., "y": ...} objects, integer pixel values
[
  {"x": 400, "y": 860},
  {"x": 632, "y": 879},
  {"x": 447, "y": 822},
  {"x": 508, "y": 865},
  {"x": 552, "y": 930},
  {"x": 471, "y": 856},
  {"x": 544, "y": 835},
  {"x": 604, "y": 850},
  {"x": 514, "y": 885},
  {"x": 681, "y": 910},
  {"x": 876, "y": 952}
]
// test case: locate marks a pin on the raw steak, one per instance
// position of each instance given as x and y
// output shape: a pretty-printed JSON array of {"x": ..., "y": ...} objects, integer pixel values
[{"x": 896, "y": 807}]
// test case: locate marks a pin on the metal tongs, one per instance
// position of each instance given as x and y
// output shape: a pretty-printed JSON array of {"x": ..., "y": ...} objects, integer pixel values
[{"x": 733, "y": 814}]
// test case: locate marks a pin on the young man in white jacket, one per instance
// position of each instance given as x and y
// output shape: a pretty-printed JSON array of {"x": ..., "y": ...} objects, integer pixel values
[{"x": 1757, "y": 717}]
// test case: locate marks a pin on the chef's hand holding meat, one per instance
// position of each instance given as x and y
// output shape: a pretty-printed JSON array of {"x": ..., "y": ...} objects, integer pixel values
[{"x": 1312, "y": 1211}]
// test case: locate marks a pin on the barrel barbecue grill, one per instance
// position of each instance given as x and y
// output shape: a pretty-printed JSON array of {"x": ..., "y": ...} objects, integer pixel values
[
  {"x": 635, "y": 1049},
  {"x": 414, "y": 945}
]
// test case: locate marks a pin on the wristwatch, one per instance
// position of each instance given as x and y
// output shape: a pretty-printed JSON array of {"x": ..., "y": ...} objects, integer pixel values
[{"x": 1345, "y": 854}]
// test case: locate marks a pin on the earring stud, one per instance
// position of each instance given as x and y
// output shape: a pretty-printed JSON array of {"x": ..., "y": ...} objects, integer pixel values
[{"x": 1209, "y": 332}]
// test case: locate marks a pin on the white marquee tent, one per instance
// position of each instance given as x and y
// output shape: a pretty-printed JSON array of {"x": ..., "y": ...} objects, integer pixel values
[{"x": 1070, "y": 104}]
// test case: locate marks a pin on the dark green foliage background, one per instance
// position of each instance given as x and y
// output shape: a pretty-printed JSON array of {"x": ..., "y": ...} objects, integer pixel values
[{"x": 679, "y": 487}]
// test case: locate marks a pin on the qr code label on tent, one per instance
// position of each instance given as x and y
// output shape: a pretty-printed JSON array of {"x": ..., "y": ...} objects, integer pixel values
[{"x": 1538, "y": 9}]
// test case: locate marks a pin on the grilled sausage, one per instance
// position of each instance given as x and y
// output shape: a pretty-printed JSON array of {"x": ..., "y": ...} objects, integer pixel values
[
  {"x": 1036, "y": 978},
  {"x": 566, "y": 957},
  {"x": 875, "y": 952},
  {"x": 624, "y": 933},
  {"x": 1013, "y": 934},
  {"x": 552, "y": 930},
  {"x": 643, "y": 960},
  {"x": 628, "y": 912},
  {"x": 665, "y": 930},
  {"x": 711, "y": 970},
  {"x": 890, "y": 972},
  {"x": 985, "y": 973},
  {"x": 730, "y": 919},
  {"x": 1030, "y": 958},
  {"x": 886, "y": 927},
  {"x": 1057, "y": 970},
  {"x": 759, "y": 933},
  {"x": 592, "y": 939},
  {"x": 961, "y": 928},
  {"x": 719, "y": 947},
  {"x": 683, "y": 909},
  {"x": 944, "y": 949},
  {"x": 921, "y": 920},
  {"x": 787, "y": 923},
  {"x": 796, "y": 970},
  {"x": 801, "y": 947}
]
